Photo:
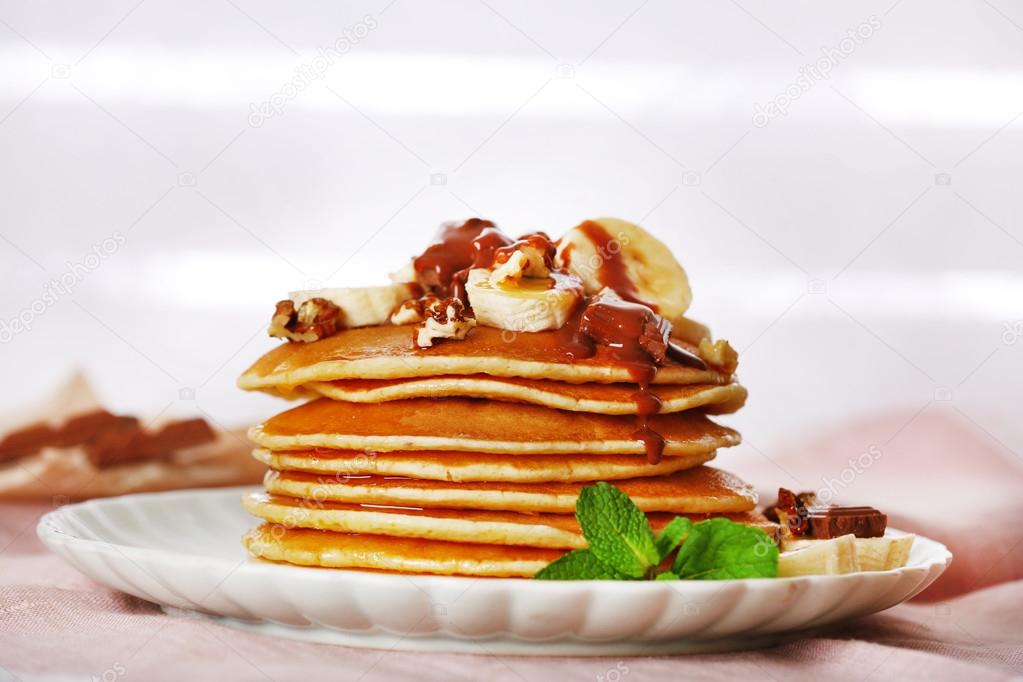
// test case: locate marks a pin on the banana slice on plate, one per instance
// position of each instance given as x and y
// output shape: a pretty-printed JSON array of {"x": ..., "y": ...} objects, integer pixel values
[
  {"x": 843, "y": 554},
  {"x": 872, "y": 554},
  {"x": 820, "y": 557},
  {"x": 528, "y": 305},
  {"x": 361, "y": 306},
  {"x": 609, "y": 252}
]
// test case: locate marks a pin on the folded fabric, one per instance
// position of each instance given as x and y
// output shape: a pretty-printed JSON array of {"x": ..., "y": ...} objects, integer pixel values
[
  {"x": 934, "y": 472},
  {"x": 70, "y": 447}
]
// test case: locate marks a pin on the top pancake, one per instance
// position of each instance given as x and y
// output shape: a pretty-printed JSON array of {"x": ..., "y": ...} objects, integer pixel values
[
  {"x": 387, "y": 352},
  {"x": 467, "y": 425},
  {"x": 588, "y": 397}
]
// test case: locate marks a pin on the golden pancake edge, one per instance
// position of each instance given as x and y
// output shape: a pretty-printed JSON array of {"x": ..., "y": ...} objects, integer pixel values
[
  {"x": 474, "y": 466},
  {"x": 558, "y": 531},
  {"x": 700, "y": 490},
  {"x": 468, "y": 425},
  {"x": 587, "y": 397}
]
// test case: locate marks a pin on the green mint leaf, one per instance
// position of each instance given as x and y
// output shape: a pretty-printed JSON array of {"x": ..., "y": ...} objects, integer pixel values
[
  {"x": 719, "y": 549},
  {"x": 579, "y": 564},
  {"x": 616, "y": 530},
  {"x": 671, "y": 536},
  {"x": 667, "y": 575}
]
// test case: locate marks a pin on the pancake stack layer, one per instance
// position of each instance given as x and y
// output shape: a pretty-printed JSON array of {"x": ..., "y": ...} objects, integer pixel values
[{"x": 467, "y": 457}]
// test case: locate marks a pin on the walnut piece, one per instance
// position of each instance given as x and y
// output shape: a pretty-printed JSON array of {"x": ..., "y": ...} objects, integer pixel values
[
  {"x": 443, "y": 319},
  {"x": 411, "y": 311},
  {"x": 314, "y": 319},
  {"x": 526, "y": 261}
]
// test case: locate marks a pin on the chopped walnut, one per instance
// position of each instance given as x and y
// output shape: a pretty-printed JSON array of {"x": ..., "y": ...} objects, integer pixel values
[
  {"x": 719, "y": 355},
  {"x": 791, "y": 511},
  {"x": 314, "y": 319},
  {"x": 444, "y": 319},
  {"x": 411, "y": 311},
  {"x": 528, "y": 260}
]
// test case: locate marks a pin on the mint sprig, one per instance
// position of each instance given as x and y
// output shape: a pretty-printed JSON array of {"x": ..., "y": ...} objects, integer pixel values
[
  {"x": 616, "y": 530},
  {"x": 579, "y": 564},
  {"x": 719, "y": 549},
  {"x": 673, "y": 535},
  {"x": 622, "y": 546}
]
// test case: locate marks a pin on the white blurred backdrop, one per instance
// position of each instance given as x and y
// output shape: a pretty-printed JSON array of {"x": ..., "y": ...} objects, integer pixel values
[{"x": 841, "y": 181}]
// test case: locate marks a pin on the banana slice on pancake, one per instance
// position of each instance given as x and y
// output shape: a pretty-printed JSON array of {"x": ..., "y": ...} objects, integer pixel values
[
  {"x": 361, "y": 306},
  {"x": 610, "y": 252},
  {"x": 531, "y": 304}
]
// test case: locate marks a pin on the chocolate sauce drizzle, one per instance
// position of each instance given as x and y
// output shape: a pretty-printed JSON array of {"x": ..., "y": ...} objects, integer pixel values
[
  {"x": 638, "y": 340},
  {"x": 611, "y": 270},
  {"x": 452, "y": 251},
  {"x": 444, "y": 267},
  {"x": 637, "y": 337}
]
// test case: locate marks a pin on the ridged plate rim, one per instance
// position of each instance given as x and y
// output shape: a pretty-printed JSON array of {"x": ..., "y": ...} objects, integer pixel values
[{"x": 501, "y": 616}]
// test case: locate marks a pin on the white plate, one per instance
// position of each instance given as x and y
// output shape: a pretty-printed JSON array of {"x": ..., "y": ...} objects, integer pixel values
[{"x": 183, "y": 550}]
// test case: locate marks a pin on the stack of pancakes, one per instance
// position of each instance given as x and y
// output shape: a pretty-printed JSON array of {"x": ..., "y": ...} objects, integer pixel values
[{"x": 467, "y": 457}]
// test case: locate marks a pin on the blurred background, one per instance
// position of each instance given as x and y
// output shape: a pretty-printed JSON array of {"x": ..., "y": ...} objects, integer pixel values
[{"x": 841, "y": 182}]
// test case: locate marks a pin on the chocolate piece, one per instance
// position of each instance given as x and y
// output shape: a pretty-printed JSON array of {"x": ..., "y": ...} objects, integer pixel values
[
  {"x": 107, "y": 438},
  {"x": 75, "y": 431},
  {"x": 117, "y": 447},
  {"x": 833, "y": 522},
  {"x": 84, "y": 427},
  {"x": 182, "y": 434},
  {"x": 802, "y": 516},
  {"x": 27, "y": 441},
  {"x": 634, "y": 331}
]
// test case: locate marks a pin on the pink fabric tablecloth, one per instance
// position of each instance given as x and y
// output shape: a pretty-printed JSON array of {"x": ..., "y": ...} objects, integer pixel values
[{"x": 935, "y": 472}]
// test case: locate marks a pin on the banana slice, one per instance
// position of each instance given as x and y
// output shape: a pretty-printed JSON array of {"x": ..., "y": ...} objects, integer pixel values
[
  {"x": 872, "y": 554},
  {"x": 821, "y": 557},
  {"x": 690, "y": 330},
  {"x": 529, "y": 305},
  {"x": 361, "y": 306},
  {"x": 618, "y": 254},
  {"x": 882, "y": 554}
]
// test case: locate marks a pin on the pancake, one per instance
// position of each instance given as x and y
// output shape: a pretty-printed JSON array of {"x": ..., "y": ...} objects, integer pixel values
[
  {"x": 472, "y": 466},
  {"x": 386, "y": 352},
  {"x": 468, "y": 425},
  {"x": 322, "y": 548},
  {"x": 593, "y": 398},
  {"x": 558, "y": 531},
  {"x": 701, "y": 490}
]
